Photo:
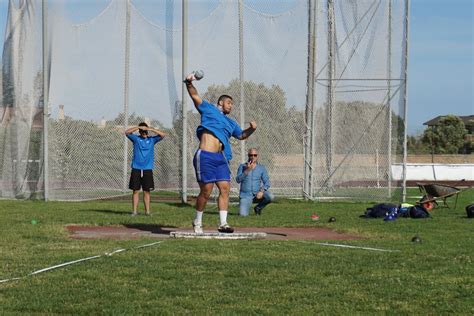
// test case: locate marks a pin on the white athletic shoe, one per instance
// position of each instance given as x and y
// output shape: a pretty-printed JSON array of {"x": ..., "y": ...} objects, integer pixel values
[{"x": 197, "y": 228}]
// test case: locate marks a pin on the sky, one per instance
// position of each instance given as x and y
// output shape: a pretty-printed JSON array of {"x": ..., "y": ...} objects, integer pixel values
[{"x": 441, "y": 62}]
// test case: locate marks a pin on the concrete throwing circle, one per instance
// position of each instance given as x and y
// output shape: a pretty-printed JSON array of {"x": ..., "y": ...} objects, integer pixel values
[
  {"x": 192, "y": 235},
  {"x": 137, "y": 231}
]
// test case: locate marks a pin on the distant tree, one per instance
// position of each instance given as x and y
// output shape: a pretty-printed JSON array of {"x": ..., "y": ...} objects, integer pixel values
[
  {"x": 133, "y": 119},
  {"x": 468, "y": 147},
  {"x": 416, "y": 146},
  {"x": 470, "y": 126},
  {"x": 448, "y": 137}
]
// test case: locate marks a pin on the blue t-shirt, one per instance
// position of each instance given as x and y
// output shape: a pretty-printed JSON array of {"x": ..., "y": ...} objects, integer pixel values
[
  {"x": 143, "y": 151},
  {"x": 216, "y": 122}
]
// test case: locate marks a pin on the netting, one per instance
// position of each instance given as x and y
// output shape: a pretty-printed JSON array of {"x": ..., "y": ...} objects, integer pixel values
[
  {"x": 359, "y": 97},
  {"x": 22, "y": 119},
  {"x": 105, "y": 65}
]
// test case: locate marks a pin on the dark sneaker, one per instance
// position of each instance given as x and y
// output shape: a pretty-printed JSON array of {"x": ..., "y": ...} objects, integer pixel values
[
  {"x": 257, "y": 211},
  {"x": 225, "y": 229}
]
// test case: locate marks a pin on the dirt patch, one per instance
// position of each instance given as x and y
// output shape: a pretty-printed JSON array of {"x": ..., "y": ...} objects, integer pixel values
[{"x": 155, "y": 231}]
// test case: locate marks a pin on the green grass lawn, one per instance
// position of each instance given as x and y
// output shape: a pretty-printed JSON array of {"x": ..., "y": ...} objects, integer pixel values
[{"x": 268, "y": 277}]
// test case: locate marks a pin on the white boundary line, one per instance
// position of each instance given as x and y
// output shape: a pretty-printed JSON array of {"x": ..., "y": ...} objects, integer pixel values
[
  {"x": 77, "y": 261},
  {"x": 63, "y": 264},
  {"x": 352, "y": 247},
  {"x": 12, "y": 279}
]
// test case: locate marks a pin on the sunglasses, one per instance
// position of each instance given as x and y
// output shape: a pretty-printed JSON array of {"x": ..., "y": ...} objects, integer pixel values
[{"x": 253, "y": 155}]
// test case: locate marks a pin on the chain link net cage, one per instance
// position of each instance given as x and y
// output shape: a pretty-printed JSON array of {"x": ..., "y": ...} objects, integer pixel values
[
  {"x": 359, "y": 124},
  {"x": 324, "y": 81}
]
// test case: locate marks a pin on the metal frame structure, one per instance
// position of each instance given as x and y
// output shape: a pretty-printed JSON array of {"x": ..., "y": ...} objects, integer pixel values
[{"x": 308, "y": 191}]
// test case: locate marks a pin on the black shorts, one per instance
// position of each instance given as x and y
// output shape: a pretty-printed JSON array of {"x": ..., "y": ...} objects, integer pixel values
[{"x": 141, "y": 179}]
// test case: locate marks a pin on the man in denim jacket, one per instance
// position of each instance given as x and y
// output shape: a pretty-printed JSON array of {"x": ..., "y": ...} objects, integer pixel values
[{"x": 254, "y": 185}]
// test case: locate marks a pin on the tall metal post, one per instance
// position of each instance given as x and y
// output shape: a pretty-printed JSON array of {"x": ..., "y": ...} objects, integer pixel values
[
  {"x": 405, "y": 99},
  {"x": 184, "y": 108},
  {"x": 44, "y": 9},
  {"x": 241, "y": 77},
  {"x": 389, "y": 93},
  {"x": 331, "y": 71},
  {"x": 310, "y": 103},
  {"x": 126, "y": 92}
]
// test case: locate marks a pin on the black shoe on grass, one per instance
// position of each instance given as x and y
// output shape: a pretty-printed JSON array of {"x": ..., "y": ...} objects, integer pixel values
[
  {"x": 257, "y": 211},
  {"x": 225, "y": 229}
]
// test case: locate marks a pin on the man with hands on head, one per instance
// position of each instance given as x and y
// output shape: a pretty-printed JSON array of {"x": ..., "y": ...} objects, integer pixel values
[
  {"x": 142, "y": 163},
  {"x": 211, "y": 161}
]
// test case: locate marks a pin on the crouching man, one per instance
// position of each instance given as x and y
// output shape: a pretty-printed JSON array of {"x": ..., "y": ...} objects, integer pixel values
[{"x": 254, "y": 185}]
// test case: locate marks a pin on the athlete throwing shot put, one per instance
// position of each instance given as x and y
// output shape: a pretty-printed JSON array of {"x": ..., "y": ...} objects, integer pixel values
[{"x": 211, "y": 161}]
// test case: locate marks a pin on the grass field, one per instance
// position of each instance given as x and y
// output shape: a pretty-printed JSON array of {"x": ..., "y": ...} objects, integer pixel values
[{"x": 266, "y": 277}]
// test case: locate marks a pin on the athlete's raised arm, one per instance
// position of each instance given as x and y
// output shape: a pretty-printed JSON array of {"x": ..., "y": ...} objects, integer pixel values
[
  {"x": 131, "y": 130},
  {"x": 193, "y": 93}
]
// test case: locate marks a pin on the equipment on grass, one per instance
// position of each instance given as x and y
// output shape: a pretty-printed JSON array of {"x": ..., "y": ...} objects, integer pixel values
[
  {"x": 332, "y": 219},
  {"x": 416, "y": 239},
  {"x": 440, "y": 192},
  {"x": 315, "y": 217},
  {"x": 470, "y": 210},
  {"x": 390, "y": 212},
  {"x": 390, "y": 218},
  {"x": 418, "y": 211},
  {"x": 381, "y": 210}
]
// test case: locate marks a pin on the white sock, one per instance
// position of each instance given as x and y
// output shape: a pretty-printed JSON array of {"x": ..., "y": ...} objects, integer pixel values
[
  {"x": 223, "y": 216},
  {"x": 198, "y": 219}
]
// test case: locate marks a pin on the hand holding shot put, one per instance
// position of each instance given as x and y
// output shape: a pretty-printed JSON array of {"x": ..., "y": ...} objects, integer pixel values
[{"x": 195, "y": 75}]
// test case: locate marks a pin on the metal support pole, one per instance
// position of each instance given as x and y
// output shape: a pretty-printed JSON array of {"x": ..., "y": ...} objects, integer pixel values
[
  {"x": 432, "y": 151},
  {"x": 310, "y": 103},
  {"x": 330, "y": 103},
  {"x": 44, "y": 9},
  {"x": 377, "y": 167},
  {"x": 184, "y": 108},
  {"x": 126, "y": 92},
  {"x": 432, "y": 143},
  {"x": 405, "y": 99},
  {"x": 389, "y": 105},
  {"x": 241, "y": 78}
]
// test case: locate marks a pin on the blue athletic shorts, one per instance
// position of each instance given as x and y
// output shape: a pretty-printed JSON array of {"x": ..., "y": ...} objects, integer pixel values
[{"x": 211, "y": 167}]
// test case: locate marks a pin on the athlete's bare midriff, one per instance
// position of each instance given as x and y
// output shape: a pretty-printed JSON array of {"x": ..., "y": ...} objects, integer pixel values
[{"x": 210, "y": 143}]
